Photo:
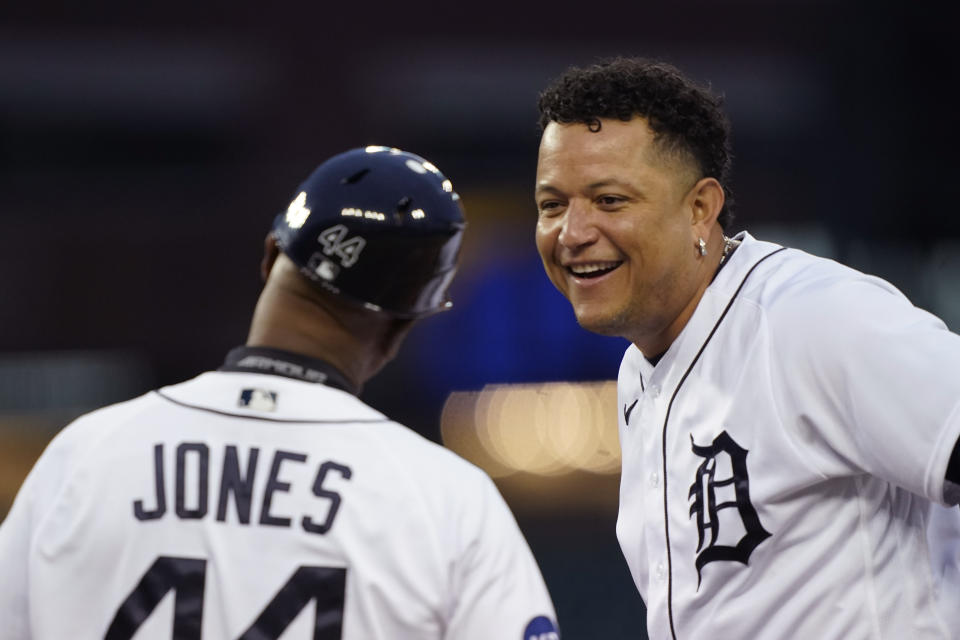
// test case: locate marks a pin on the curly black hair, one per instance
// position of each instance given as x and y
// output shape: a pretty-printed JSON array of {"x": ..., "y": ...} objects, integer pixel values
[{"x": 684, "y": 117}]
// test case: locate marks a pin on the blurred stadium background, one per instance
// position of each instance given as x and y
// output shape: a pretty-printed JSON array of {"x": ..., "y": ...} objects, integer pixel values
[{"x": 144, "y": 152}]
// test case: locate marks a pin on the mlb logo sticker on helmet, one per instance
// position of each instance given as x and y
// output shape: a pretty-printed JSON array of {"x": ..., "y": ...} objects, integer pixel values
[{"x": 322, "y": 267}]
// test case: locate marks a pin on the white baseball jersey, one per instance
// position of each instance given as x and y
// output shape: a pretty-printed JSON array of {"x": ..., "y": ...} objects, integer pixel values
[
  {"x": 784, "y": 461},
  {"x": 250, "y": 505}
]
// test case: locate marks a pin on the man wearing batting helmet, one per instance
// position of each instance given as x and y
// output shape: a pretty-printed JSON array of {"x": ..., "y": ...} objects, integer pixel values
[
  {"x": 788, "y": 425},
  {"x": 264, "y": 500}
]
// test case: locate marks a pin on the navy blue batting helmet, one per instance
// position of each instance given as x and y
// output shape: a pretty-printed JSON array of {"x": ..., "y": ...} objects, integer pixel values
[{"x": 378, "y": 226}]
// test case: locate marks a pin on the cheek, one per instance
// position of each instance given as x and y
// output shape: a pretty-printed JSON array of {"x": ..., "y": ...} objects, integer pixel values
[{"x": 546, "y": 239}]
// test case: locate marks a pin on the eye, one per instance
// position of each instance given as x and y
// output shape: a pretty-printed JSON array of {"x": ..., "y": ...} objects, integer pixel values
[
  {"x": 608, "y": 201},
  {"x": 548, "y": 207}
]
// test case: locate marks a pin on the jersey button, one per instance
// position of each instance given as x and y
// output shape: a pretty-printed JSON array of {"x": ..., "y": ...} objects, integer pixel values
[
  {"x": 654, "y": 392},
  {"x": 654, "y": 480},
  {"x": 661, "y": 571}
]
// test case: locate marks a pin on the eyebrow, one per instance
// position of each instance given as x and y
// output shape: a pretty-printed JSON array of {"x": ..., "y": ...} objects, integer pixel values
[
  {"x": 593, "y": 185},
  {"x": 546, "y": 188},
  {"x": 610, "y": 182}
]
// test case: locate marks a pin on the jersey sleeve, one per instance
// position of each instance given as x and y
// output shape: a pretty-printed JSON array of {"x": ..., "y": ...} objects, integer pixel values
[
  {"x": 498, "y": 589},
  {"x": 35, "y": 502},
  {"x": 870, "y": 383},
  {"x": 15, "y": 535}
]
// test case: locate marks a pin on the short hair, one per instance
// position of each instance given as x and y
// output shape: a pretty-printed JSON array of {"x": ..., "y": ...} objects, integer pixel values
[{"x": 684, "y": 116}]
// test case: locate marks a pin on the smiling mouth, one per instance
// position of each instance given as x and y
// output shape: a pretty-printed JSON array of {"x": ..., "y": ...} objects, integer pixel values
[{"x": 593, "y": 269}]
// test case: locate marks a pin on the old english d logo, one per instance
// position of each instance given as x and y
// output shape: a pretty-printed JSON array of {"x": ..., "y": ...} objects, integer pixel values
[{"x": 704, "y": 494}]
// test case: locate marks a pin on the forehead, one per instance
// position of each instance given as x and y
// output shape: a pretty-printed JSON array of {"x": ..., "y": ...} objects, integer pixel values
[
  {"x": 569, "y": 151},
  {"x": 613, "y": 135}
]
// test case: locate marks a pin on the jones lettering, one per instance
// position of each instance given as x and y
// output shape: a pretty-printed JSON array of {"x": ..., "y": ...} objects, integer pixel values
[{"x": 233, "y": 490}]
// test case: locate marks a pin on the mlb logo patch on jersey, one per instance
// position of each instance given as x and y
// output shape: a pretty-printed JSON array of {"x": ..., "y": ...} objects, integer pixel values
[
  {"x": 541, "y": 628},
  {"x": 258, "y": 399}
]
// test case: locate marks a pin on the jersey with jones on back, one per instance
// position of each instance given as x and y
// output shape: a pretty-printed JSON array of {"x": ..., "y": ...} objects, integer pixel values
[
  {"x": 264, "y": 500},
  {"x": 310, "y": 511}
]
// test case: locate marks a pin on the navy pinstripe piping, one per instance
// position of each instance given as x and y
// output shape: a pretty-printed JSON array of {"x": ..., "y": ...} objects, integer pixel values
[{"x": 666, "y": 419}]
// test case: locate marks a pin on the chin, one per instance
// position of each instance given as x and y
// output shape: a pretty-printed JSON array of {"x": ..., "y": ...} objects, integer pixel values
[{"x": 605, "y": 324}]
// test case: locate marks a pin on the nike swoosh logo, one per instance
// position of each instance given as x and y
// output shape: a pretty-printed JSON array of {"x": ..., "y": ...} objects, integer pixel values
[{"x": 628, "y": 410}]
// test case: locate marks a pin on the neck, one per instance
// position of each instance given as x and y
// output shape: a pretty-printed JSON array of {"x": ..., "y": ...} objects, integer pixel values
[
  {"x": 292, "y": 316},
  {"x": 656, "y": 344}
]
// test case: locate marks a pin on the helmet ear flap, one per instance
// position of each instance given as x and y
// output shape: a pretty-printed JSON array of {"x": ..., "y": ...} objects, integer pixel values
[{"x": 380, "y": 227}]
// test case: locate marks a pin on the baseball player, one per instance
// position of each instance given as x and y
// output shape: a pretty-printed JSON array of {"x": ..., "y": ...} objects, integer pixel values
[
  {"x": 788, "y": 425},
  {"x": 264, "y": 500}
]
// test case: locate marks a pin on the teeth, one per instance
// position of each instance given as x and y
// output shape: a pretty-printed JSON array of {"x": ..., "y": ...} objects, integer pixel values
[{"x": 593, "y": 267}]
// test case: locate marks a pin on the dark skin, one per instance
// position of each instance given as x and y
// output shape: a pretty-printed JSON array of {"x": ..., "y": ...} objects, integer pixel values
[{"x": 294, "y": 315}]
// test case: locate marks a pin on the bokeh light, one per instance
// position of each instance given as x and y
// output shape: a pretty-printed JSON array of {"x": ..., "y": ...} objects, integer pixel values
[{"x": 545, "y": 429}]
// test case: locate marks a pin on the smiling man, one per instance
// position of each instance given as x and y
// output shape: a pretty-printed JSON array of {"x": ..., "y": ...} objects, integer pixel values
[
  {"x": 614, "y": 208},
  {"x": 787, "y": 424}
]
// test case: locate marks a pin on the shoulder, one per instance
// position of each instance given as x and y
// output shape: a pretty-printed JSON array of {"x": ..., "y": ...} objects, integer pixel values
[
  {"x": 88, "y": 429},
  {"x": 824, "y": 318},
  {"x": 800, "y": 292},
  {"x": 75, "y": 443},
  {"x": 427, "y": 461}
]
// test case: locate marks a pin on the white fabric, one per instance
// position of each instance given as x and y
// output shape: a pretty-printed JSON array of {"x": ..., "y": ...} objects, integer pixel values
[
  {"x": 846, "y": 399},
  {"x": 430, "y": 548}
]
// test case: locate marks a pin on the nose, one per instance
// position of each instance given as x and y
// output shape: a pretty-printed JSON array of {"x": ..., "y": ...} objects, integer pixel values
[{"x": 578, "y": 228}]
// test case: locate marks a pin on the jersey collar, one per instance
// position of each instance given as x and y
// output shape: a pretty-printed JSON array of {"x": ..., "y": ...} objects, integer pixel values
[
  {"x": 719, "y": 295},
  {"x": 287, "y": 364}
]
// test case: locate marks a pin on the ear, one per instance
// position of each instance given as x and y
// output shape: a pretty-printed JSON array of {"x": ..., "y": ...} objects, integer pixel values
[
  {"x": 270, "y": 253},
  {"x": 705, "y": 200}
]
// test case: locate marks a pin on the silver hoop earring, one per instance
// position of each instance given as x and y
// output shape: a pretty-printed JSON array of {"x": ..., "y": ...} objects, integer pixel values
[{"x": 702, "y": 246}]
